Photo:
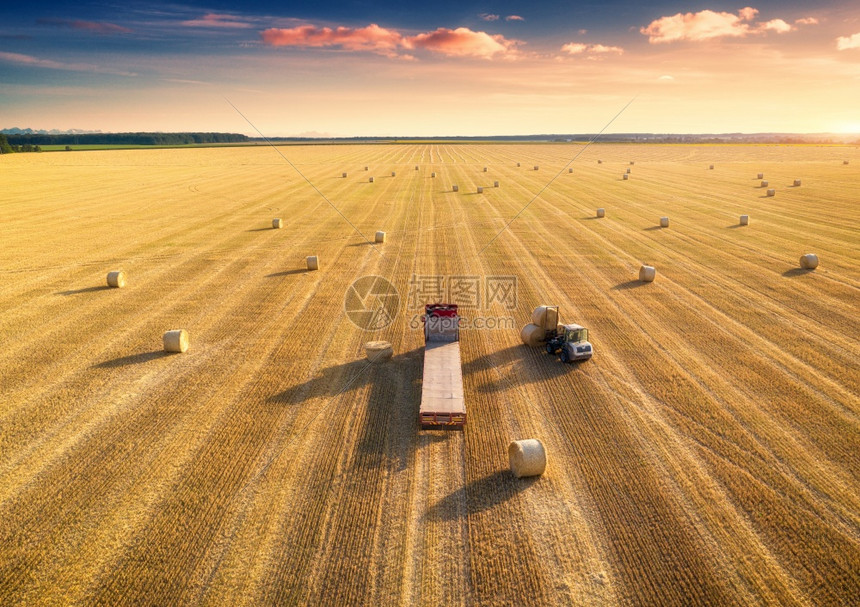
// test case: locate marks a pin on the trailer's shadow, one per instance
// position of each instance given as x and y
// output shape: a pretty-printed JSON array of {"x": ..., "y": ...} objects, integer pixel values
[{"x": 479, "y": 495}]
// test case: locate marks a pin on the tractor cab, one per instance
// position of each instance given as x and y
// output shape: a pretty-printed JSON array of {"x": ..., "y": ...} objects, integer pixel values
[{"x": 571, "y": 342}]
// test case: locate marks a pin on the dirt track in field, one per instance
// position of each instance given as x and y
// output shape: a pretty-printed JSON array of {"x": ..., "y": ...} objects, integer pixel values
[{"x": 708, "y": 454}]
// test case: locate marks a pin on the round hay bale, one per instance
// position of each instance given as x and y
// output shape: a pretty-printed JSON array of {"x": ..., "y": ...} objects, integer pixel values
[
  {"x": 664, "y": 222},
  {"x": 370, "y": 180},
  {"x": 764, "y": 184},
  {"x": 711, "y": 167},
  {"x": 809, "y": 261},
  {"x": 745, "y": 220},
  {"x": 599, "y": 162},
  {"x": 540, "y": 315},
  {"x": 366, "y": 168},
  {"x": 495, "y": 184},
  {"x": 628, "y": 171},
  {"x": 378, "y": 351},
  {"x": 116, "y": 279},
  {"x": 343, "y": 175},
  {"x": 313, "y": 262},
  {"x": 647, "y": 274},
  {"x": 393, "y": 174},
  {"x": 277, "y": 223},
  {"x": 518, "y": 164},
  {"x": 380, "y": 237},
  {"x": 625, "y": 176},
  {"x": 527, "y": 457},
  {"x": 601, "y": 212},
  {"x": 536, "y": 167},
  {"x": 771, "y": 192},
  {"x": 176, "y": 340},
  {"x": 485, "y": 169},
  {"x": 480, "y": 190},
  {"x": 631, "y": 162},
  {"x": 532, "y": 335},
  {"x": 455, "y": 188},
  {"x": 570, "y": 170},
  {"x": 797, "y": 183},
  {"x": 433, "y": 175},
  {"x": 844, "y": 162},
  {"x": 416, "y": 167},
  {"x": 760, "y": 176}
]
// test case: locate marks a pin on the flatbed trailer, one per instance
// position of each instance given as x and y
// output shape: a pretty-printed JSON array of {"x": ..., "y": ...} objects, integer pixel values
[{"x": 442, "y": 401}]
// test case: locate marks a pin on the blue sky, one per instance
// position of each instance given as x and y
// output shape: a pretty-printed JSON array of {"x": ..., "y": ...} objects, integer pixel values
[{"x": 443, "y": 68}]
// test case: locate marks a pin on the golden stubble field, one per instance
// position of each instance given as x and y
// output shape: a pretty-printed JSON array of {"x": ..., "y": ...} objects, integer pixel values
[{"x": 709, "y": 453}]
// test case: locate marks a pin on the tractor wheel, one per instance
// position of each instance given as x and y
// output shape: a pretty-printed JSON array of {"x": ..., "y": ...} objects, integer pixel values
[
  {"x": 565, "y": 357},
  {"x": 549, "y": 348}
]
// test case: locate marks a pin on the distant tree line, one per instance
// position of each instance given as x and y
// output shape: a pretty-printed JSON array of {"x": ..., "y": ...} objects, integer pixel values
[
  {"x": 125, "y": 139},
  {"x": 7, "y": 148}
]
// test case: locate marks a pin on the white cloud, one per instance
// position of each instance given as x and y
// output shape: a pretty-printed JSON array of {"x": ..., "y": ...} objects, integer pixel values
[
  {"x": 578, "y": 48},
  {"x": 843, "y": 43},
  {"x": 488, "y": 17}
]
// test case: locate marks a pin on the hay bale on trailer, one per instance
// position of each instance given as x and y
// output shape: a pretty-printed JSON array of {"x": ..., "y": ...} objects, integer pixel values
[
  {"x": 647, "y": 274},
  {"x": 745, "y": 220},
  {"x": 664, "y": 222},
  {"x": 545, "y": 316},
  {"x": 378, "y": 351},
  {"x": 527, "y": 457},
  {"x": 533, "y": 335},
  {"x": 175, "y": 340},
  {"x": 277, "y": 223},
  {"x": 601, "y": 212},
  {"x": 380, "y": 237},
  {"x": 313, "y": 262},
  {"x": 809, "y": 261}
]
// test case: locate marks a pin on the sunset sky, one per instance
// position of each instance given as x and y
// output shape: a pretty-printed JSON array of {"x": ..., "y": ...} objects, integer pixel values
[{"x": 347, "y": 68}]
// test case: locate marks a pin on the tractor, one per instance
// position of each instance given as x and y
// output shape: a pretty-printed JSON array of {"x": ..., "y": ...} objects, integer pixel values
[{"x": 572, "y": 343}]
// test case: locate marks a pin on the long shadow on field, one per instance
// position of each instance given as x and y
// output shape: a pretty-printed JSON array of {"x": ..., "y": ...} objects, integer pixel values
[
  {"x": 652, "y": 229},
  {"x": 288, "y": 272},
  {"x": 630, "y": 284},
  {"x": 132, "y": 359},
  {"x": 268, "y": 229},
  {"x": 84, "y": 290},
  {"x": 516, "y": 365},
  {"x": 735, "y": 226},
  {"x": 797, "y": 272},
  {"x": 384, "y": 417},
  {"x": 479, "y": 495}
]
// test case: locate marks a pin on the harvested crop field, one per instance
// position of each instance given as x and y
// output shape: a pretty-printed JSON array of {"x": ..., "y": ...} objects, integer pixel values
[{"x": 708, "y": 454}]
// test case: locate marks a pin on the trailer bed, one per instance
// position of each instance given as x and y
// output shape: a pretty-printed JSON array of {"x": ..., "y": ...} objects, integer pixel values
[{"x": 442, "y": 402}]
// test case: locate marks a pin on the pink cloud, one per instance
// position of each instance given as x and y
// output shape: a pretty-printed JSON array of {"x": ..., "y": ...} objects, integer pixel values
[
  {"x": 461, "y": 42},
  {"x": 577, "y": 48},
  {"x": 370, "y": 38},
  {"x": 806, "y": 21},
  {"x": 488, "y": 17},
  {"x": 843, "y": 43},
  {"x": 514, "y": 18},
  {"x": 89, "y": 26},
  {"x": 699, "y": 26},
  {"x": 217, "y": 20}
]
